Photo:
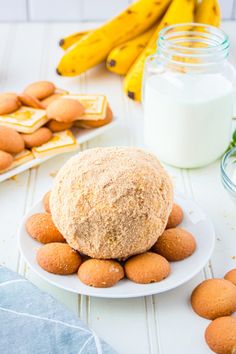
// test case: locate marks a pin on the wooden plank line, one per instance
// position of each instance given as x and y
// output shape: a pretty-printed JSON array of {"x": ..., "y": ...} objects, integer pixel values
[
  {"x": 18, "y": 267},
  {"x": 158, "y": 339},
  {"x": 127, "y": 116},
  {"x": 7, "y": 53},
  {"x": 45, "y": 52},
  {"x": 207, "y": 271},
  {"x": 151, "y": 325},
  {"x": 31, "y": 183}
]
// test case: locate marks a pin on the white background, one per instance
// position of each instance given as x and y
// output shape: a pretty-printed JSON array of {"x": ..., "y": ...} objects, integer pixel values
[{"x": 76, "y": 10}]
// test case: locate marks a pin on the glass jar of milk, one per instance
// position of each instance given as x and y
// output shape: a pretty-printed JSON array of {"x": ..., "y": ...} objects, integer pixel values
[{"x": 188, "y": 94}]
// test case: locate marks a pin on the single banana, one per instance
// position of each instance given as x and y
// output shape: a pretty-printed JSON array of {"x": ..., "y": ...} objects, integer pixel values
[
  {"x": 123, "y": 56},
  {"x": 67, "y": 42},
  {"x": 208, "y": 12},
  {"x": 95, "y": 46},
  {"x": 179, "y": 11}
]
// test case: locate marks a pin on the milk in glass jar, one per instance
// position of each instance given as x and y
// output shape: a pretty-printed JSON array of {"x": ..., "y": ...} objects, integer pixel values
[{"x": 188, "y": 95}]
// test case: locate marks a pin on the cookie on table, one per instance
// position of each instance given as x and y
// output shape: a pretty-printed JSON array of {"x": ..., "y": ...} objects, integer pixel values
[
  {"x": 25, "y": 119},
  {"x": 214, "y": 298},
  {"x": 48, "y": 100},
  {"x": 37, "y": 138},
  {"x": 56, "y": 126},
  {"x": 46, "y": 202},
  {"x": 6, "y": 160},
  {"x": 220, "y": 335},
  {"x": 58, "y": 93},
  {"x": 19, "y": 159},
  {"x": 176, "y": 216},
  {"x": 65, "y": 110},
  {"x": 147, "y": 268},
  {"x": 40, "y": 89},
  {"x": 60, "y": 142},
  {"x": 58, "y": 258},
  {"x": 231, "y": 276},
  {"x": 175, "y": 244},
  {"x": 9, "y": 105},
  {"x": 95, "y": 106},
  {"x": 41, "y": 228},
  {"x": 100, "y": 273},
  {"x": 9, "y": 95},
  {"x": 11, "y": 141},
  {"x": 30, "y": 101},
  {"x": 95, "y": 123}
]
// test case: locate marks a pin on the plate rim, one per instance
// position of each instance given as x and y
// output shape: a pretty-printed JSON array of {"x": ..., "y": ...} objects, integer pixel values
[{"x": 87, "y": 291}]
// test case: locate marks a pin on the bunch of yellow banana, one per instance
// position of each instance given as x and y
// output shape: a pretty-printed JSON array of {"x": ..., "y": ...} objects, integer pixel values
[
  {"x": 179, "y": 11},
  {"x": 127, "y": 39},
  {"x": 208, "y": 11},
  {"x": 73, "y": 38},
  {"x": 94, "y": 47},
  {"x": 123, "y": 56}
]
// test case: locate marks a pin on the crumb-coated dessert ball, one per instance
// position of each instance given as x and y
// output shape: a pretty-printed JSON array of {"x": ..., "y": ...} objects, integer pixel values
[
  {"x": 176, "y": 216},
  {"x": 56, "y": 126},
  {"x": 100, "y": 273},
  {"x": 58, "y": 258},
  {"x": 41, "y": 227},
  {"x": 147, "y": 268},
  {"x": 40, "y": 89},
  {"x": 37, "y": 138},
  {"x": 46, "y": 200},
  {"x": 231, "y": 276},
  {"x": 65, "y": 110},
  {"x": 111, "y": 202},
  {"x": 10, "y": 140},
  {"x": 175, "y": 244},
  {"x": 214, "y": 298},
  {"x": 220, "y": 335},
  {"x": 6, "y": 160}
]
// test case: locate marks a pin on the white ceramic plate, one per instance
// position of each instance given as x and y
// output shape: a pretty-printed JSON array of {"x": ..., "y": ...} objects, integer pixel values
[
  {"x": 195, "y": 221},
  {"x": 82, "y": 135}
]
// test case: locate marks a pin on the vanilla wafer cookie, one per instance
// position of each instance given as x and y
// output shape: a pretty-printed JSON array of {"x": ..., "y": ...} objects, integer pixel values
[
  {"x": 25, "y": 119},
  {"x": 60, "y": 142}
]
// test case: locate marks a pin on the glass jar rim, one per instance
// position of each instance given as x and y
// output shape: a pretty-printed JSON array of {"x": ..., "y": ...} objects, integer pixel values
[{"x": 215, "y": 40}]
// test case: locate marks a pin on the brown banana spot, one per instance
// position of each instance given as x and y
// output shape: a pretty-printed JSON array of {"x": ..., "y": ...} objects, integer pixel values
[
  {"x": 131, "y": 95},
  {"x": 61, "y": 42},
  {"x": 112, "y": 63},
  {"x": 58, "y": 72}
]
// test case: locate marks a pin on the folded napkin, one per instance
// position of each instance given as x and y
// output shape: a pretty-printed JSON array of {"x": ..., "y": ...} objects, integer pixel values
[{"x": 32, "y": 322}]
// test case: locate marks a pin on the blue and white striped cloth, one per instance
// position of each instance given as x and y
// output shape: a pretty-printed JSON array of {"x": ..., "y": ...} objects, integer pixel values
[{"x": 32, "y": 322}]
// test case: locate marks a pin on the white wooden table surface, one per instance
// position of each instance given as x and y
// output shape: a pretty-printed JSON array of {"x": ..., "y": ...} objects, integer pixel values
[{"x": 163, "y": 324}]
